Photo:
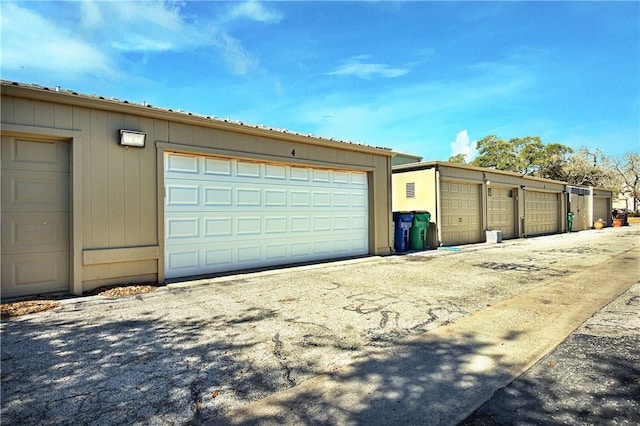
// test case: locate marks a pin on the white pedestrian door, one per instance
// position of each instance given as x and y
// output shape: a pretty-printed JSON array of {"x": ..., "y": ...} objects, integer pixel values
[{"x": 224, "y": 214}]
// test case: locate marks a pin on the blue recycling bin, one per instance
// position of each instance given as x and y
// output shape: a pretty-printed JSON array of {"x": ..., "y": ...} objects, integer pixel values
[{"x": 403, "y": 222}]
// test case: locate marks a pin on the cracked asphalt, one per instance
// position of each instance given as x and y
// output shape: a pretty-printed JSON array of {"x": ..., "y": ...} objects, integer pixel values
[{"x": 194, "y": 353}]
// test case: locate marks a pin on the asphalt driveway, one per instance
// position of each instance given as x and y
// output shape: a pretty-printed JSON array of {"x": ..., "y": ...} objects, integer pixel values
[{"x": 195, "y": 353}]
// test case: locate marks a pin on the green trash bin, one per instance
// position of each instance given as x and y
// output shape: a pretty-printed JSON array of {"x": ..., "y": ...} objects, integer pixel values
[
  {"x": 418, "y": 231},
  {"x": 570, "y": 217}
]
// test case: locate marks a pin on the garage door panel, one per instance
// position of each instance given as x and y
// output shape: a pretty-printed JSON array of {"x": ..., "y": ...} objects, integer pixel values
[
  {"x": 239, "y": 215},
  {"x": 35, "y": 232},
  {"x": 24, "y": 274},
  {"x": 35, "y": 191},
  {"x": 460, "y": 212},
  {"x": 541, "y": 213},
  {"x": 35, "y": 155}
]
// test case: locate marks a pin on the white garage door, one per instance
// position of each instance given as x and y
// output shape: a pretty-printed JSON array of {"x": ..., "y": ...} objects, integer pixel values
[
  {"x": 35, "y": 216},
  {"x": 541, "y": 213},
  {"x": 501, "y": 211},
  {"x": 460, "y": 212},
  {"x": 224, "y": 214}
]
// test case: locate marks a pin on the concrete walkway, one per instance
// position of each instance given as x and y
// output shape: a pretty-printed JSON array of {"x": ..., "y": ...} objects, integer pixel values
[
  {"x": 443, "y": 376},
  {"x": 423, "y": 338}
]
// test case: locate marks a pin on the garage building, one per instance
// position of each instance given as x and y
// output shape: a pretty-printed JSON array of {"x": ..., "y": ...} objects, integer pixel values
[
  {"x": 466, "y": 201},
  {"x": 101, "y": 191}
]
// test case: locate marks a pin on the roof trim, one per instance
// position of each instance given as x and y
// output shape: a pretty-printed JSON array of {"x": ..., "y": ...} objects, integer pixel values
[
  {"x": 68, "y": 97},
  {"x": 431, "y": 164}
]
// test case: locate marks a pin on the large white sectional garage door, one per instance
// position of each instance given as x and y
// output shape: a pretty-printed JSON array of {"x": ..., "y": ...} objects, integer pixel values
[{"x": 224, "y": 214}]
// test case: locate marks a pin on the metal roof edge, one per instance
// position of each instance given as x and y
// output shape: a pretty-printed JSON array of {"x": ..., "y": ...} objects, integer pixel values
[
  {"x": 430, "y": 164},
  {"x": 69, "y": 97}
]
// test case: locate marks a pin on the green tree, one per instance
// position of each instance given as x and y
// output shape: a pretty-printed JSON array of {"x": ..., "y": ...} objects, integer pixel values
[
  {"x": 528, "y": 156},
  {"x": 458, "y": 159}
]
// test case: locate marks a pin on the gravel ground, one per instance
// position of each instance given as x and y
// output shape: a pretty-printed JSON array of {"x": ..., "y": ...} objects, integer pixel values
[{"x": 187, "y": 355}]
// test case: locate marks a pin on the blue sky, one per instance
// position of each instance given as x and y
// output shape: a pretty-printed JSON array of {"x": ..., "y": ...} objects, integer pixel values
[{"x": 426, "y": 78}]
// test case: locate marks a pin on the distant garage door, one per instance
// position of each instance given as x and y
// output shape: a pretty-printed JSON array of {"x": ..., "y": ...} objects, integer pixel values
[
  {"x": 35, "y": 216},
  {"x": 541, "y": 213},
  {"x": 501, "y": 211},
  {"x": 224, "y": 214},
  {"x": 460, "y": 212},
  {"x": 601, "y": 209}
]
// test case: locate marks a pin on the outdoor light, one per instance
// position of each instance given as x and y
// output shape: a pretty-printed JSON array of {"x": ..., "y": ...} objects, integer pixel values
[{"x": 132, "y": 138}]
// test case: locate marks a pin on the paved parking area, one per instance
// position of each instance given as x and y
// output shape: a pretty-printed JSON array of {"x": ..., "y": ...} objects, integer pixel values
[{"x": 193, "y": 353}]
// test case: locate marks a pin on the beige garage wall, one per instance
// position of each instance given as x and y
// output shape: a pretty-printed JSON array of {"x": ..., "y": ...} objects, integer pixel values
[{"x": 119, "y": 188}]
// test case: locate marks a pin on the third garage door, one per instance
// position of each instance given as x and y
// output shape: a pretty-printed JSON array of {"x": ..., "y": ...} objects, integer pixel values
[
  {"x": 223, "y": 214},
  {"x": 541, "y": 213}
]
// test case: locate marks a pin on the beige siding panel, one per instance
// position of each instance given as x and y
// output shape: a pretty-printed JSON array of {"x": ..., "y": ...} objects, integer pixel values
[
  {"x": 44, "y": 114},
  {"x": 23, "y": 112},
  {"x": 541, "y": 213},
  {"x": 35, "y": 216},
  {"x": 81, "y": 119},
  {"x": 63, "y": 116},
  {"x": 116, "y": 173},
  {"x": 501, "y": 211},
  {"x": 6, "y": 107},
  {"x": 460, "y": 210},
  {"x": 148, "y": 191},
  {"x": 99, "y": 176}
]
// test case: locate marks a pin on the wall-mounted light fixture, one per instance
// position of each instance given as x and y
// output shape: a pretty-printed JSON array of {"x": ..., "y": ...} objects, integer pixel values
[
  {"x": 523, "y": 187},
  {"x": 488, "y": 182},
  {"x": 132, "y": 138}
]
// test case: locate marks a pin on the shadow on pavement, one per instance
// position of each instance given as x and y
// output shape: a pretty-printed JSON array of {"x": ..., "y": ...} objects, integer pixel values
[{"x": 587, "y": 380}]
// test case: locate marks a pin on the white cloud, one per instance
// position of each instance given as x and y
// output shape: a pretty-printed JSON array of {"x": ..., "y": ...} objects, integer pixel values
[
  {"x": 31, "y": 42},
  {"x": 463, "y": 145},
  {"x": 254, "y": 11},
  {"x": 139, "y": 26},
  {"x": 368, "y": 70},
  {"x": 107, "y": 31},
  {"x": 234, "y": 54}
]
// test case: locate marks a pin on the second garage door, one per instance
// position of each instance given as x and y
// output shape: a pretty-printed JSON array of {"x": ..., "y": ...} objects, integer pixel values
[
  {"x": 224, "y": 214},
  {"x": 541, "y": 213},
  {"x": 460, "y": 212}
]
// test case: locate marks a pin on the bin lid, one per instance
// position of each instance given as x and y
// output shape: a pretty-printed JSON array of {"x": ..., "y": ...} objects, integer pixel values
[
  {"x": 422, "y": 217},
  {"x": 404, "y": 217}
]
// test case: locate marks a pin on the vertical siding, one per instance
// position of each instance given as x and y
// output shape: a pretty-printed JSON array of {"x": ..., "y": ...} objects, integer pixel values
[
  {"x": 119, "y": 187},
  {"x": 98, "y": 191},
  {"x": 6, "y": 106},
  {"x": 81, "y": 119},
  {"x": 23, "y": 112}
]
